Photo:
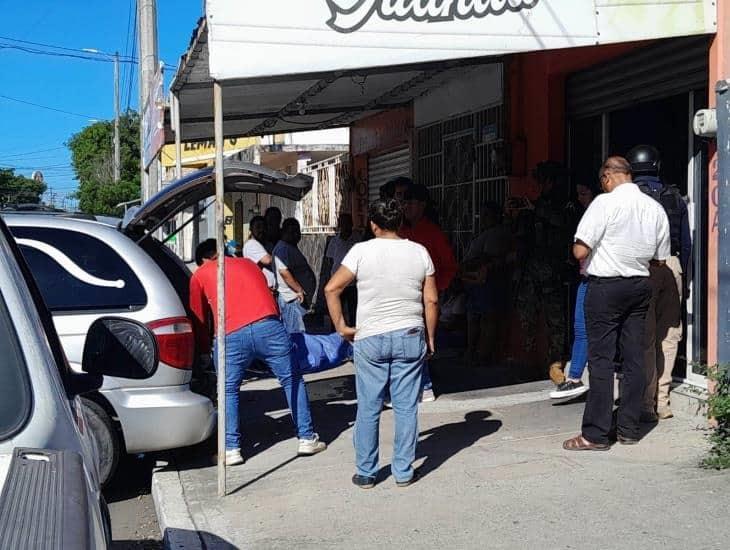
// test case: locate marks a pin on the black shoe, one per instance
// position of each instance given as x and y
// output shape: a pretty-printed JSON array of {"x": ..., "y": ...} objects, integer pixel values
[
  {"x": 411, "y": 481},
  {"x": 364, "y": 482},
  {"x": 627, "y": 440},
  {"x": 568, "y": 389}
]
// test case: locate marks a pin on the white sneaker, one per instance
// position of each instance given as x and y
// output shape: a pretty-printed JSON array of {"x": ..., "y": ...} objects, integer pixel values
[
  {"x": 428, "y": 396},
  {"x": 234, "y": 457},
  {"x": 309, "y": 447}
]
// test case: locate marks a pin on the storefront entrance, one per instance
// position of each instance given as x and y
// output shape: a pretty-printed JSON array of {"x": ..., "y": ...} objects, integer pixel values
[{"x": 658, "y": 111}]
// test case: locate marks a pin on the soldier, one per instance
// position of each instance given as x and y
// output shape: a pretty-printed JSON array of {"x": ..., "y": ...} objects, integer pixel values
[
  {"x": 664, "y": 319},
  {"x": 543, "y": 235}
]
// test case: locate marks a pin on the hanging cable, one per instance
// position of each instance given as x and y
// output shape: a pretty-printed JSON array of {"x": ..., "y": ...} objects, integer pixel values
[{"x": 48, "y": 108}]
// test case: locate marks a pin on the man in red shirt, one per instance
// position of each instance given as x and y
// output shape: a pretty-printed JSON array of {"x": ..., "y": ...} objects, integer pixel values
[
  {"x": 423, "y": 231},
  {"x": 254, "y": 331}
]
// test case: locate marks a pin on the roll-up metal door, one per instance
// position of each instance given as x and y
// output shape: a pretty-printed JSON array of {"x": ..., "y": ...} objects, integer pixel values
[
  {"x": 386, "y": 167},
  {"x": 668, "y": 68}
]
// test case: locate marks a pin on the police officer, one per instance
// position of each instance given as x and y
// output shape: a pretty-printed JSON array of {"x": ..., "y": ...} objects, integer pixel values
[
  {"x": 543, "y": 233},
  {"x": 664, "y": 319}
]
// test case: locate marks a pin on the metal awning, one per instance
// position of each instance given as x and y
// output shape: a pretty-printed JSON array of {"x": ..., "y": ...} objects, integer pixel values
[
  {"x": 315, "y": 101},
  {"x": 289, "y": 65}
]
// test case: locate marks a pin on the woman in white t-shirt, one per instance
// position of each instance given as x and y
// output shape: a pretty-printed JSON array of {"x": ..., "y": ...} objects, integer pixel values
[
  {"x": 396, "y": 292},
  {"x": 254, "y": 249}
]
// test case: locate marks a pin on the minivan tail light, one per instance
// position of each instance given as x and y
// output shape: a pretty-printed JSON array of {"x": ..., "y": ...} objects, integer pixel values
[{"x": 176, "y": 341}]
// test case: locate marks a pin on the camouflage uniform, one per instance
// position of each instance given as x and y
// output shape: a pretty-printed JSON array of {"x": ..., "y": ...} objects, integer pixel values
[{"x": 544, "y": 241}]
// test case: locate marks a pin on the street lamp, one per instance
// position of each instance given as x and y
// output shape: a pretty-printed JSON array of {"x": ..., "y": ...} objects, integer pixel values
[{"x": 117, "y": 147}]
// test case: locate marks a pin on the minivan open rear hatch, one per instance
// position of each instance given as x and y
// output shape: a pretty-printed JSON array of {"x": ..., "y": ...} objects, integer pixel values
[{"x": 239, "y": 177}]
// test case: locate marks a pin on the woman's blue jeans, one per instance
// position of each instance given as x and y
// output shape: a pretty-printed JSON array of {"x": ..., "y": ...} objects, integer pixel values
[
  {"x": 391, "y": 361},
  {"x": 267, "y": 341},
  {"x": 579, "y": 357}
]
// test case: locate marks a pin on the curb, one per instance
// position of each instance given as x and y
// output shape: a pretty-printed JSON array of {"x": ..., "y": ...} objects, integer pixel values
[{"x": 176, "y": 524}]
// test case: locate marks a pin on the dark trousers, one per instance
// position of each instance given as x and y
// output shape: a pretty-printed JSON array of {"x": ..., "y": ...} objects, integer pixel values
[
  {"x": 348, "y": 298},
  {"x": 615, "y": 314}
]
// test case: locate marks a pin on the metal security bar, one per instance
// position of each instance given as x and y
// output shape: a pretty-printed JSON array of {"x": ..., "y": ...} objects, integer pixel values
[{"x": 463, "y": 163}]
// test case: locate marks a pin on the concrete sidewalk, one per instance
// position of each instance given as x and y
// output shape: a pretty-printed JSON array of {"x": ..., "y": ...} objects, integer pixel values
[{"x": 494, "y": 475}]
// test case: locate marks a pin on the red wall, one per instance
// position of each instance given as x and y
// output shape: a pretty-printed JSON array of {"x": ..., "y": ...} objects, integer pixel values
[
  {"x": 536, "y": 100},
  {"x": 371, "y": 136}
]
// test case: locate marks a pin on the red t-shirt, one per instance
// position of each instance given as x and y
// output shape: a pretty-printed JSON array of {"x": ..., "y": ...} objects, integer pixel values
[
  {"x": 429, "y": 235},
  {"x": 248, "y": 298}
]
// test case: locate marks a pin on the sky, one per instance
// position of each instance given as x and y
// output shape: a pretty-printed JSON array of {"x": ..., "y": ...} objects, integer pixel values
[{"x": 32, "y": 138}]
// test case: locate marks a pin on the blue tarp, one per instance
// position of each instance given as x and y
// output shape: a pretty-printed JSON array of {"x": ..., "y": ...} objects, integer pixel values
[{"x": 320, "y": 352}]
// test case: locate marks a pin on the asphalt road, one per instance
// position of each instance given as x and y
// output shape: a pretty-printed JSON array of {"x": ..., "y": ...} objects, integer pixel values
[{"x": 134, "y": 521}]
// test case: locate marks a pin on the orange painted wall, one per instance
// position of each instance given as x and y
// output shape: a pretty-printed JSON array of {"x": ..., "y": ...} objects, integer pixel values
[
  {"x": 370, "y": 136},
  {"x": 719, "y": 69},
  {"x": 536, "y": 101}
]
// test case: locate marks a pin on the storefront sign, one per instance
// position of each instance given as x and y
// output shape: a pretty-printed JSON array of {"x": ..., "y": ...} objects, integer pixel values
[
  {"x": 328, "y": 35},
  {"x": 349, "y": 18}
]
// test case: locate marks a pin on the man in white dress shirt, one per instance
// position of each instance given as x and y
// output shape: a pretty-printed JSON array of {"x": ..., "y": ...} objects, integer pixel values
[{"x": 621, "y": 233}]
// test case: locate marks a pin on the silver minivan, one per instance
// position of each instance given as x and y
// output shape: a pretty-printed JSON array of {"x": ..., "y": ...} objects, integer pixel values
[
  {"x": 86, "y": 269},
  {"x": 49, "y": 484}
]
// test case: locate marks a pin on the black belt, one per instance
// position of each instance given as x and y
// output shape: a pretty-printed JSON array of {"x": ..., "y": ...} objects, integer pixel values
[{"x": 594, "y": 279}]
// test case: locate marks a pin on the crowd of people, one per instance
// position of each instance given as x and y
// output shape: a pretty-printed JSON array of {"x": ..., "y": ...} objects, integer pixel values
[{"x": 630, "y": 251}]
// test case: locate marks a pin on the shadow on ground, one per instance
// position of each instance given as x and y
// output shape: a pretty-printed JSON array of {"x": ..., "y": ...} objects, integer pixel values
[{"x": 443, "y": 442}]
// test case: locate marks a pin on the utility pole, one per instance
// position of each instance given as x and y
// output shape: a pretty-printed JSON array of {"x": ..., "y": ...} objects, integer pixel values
[
  {"x": 148, "y": 64},
  {"x": 117, "y": 146}
]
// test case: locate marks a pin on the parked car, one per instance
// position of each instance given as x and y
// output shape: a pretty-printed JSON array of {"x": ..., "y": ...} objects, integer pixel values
[
  {"x": 86, "y": 269},
  {"x": 50, "y": 494}
]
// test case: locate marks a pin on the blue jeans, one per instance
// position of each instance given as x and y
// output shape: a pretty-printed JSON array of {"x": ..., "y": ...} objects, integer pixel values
[
  {"x": 426, "y": 382},
  {"x": 394, "y": 361},
  {"x": 292, "y": 315},
  {"x": 267, "y": 341},
  {"x": 579, "y": 357}
]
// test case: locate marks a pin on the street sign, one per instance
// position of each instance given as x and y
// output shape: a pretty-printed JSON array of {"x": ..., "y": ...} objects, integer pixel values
[{"x": 153, "y": 120}]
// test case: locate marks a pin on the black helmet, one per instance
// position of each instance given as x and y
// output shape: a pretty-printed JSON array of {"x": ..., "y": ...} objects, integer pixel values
[{"x": 644, "y": 159}]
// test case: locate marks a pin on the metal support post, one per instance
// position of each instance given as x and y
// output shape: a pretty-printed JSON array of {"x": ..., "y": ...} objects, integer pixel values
[
  {"x": 723, "y": 253},
  {"x": 178, "y": 138},
  {"x": 221, "y": 313}
]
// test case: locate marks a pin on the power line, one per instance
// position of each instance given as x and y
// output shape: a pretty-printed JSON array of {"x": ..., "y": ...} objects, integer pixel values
[
  {"x": 49, "y": 167},
  {"x": 84, "y": 56},
  {"x": 40, "y": 48},
  {"x": 48, "y": 108},
  {"x": 29, "y": 153},
  {"x": 96, "y": 55}
]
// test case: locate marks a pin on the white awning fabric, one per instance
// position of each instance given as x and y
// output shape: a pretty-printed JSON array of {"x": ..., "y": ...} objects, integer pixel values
[{"x": 289, "y": 65}]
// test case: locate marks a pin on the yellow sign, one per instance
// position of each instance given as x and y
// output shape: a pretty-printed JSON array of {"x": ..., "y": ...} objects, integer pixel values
[{"x": 202, "y": 153}]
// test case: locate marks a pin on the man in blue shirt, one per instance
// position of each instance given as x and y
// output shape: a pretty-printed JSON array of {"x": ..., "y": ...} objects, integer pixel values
[
  {"x": 668, "y": 281},
  {"x": 296, "y": 282}
]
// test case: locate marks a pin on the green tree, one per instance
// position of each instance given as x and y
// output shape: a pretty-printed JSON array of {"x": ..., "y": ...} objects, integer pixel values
[
  {"x": 15, "y": 189},
  {"x": 92, "y": 157}
]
